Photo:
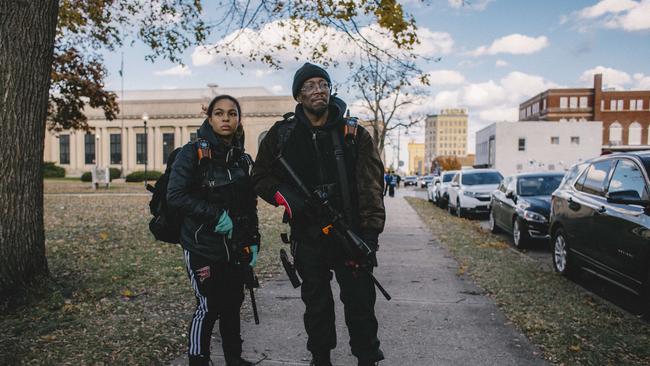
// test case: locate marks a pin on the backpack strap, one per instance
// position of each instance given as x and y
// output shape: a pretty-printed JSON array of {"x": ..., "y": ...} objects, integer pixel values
[{"x": 285, "y": 128}]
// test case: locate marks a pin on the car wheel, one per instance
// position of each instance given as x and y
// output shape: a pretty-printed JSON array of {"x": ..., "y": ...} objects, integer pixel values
[
  {"x": 519, "y": 235},
  {"x": 450, "y": 209},
  {"x": 459, "y": 210},
  {"x": 429, "y": 196},
  {"x": 493, "y": 225},
  {"x": 646, "y": 298},
  {"x": 561, "y": 259}
]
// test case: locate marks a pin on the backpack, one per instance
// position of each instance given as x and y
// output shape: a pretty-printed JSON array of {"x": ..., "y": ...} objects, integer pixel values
[{"x": 165, "y": 224}]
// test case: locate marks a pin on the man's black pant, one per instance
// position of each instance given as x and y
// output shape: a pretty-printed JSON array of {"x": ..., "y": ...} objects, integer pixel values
[
  {"x": 315, "y": 260},
  {"x": 219, "y": 292}
]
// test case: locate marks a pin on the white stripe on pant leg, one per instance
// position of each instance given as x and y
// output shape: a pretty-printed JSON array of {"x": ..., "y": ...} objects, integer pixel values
[{"x": 199, "y": 313}]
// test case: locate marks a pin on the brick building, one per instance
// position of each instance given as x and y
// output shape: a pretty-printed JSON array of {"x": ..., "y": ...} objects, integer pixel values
[{"x": 625, "y": 114}]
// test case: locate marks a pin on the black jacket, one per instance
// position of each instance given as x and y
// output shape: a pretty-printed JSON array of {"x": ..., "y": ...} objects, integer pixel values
[
  {"x": 203, "y": 190},
  {"x": 310, "y": 152}
]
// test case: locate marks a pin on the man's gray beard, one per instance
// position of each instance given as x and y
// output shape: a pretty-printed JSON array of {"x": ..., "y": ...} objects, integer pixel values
[{"x": 316, "y": 112}]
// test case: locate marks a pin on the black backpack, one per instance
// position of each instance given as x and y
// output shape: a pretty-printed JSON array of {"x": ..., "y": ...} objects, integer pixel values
[{"x": 165, "y": 224}]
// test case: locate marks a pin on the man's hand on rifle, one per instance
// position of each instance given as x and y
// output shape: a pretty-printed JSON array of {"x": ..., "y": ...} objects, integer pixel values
[{"x": 371, "y": 238}]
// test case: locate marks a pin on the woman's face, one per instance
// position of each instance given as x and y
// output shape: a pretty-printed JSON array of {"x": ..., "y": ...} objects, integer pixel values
[{"x": 224, "y": 118}]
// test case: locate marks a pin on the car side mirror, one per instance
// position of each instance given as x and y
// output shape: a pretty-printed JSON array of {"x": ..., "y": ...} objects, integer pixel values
[
  {"x": 438, "y": 183},
  {"x": 511, "y": 195},
  {"x": 628, "y": 197},
  {"x": 455, "y": 184}
]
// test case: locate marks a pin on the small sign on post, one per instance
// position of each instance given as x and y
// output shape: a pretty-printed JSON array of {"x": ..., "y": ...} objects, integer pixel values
[{"x": 100, "y": 176}]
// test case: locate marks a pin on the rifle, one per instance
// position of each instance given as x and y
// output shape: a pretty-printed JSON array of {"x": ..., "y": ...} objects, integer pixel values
[
  {"x": 335, "y": 226},
  {"x": 250, "y": 281}
]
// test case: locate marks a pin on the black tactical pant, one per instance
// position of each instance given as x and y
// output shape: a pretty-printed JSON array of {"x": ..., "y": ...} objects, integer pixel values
[
  {"x": 315, "y": 260},
  {"x": 218, "y": 296}
]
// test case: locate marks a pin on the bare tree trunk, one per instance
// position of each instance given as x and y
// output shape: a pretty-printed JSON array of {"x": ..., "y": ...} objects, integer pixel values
[{"x": 27, "y": 31}]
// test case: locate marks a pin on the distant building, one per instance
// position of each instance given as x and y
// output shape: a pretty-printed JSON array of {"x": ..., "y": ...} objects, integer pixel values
[
  {"x": 416, "y": 158},
  {"x": 516, "y": 147},
  {"x": 445, "y": 134},
  {"x": 625, "y": 115},
  {"x": 174, "y": 116}
]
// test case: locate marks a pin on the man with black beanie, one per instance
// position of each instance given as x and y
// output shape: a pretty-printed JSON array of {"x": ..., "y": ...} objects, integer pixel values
[{"x": 308, "y": 140}]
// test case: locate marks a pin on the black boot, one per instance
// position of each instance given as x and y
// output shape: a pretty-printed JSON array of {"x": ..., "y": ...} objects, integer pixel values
[
  {"x": 237, "y": 361},
  {"x": 321, "y": 359},
  {"x": 200, "y": 360}
]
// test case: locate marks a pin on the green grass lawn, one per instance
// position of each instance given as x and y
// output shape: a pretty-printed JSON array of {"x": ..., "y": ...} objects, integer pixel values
[
  {"x": 117, "y": 297},
  {"x": 571, "y": 326}
]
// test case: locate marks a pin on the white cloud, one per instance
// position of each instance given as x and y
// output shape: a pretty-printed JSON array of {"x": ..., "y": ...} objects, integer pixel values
[
  {"x": 629, "y": 15},
  {"x": 502, "y": 113},
  {"x": 642, "y": 82},
  {"x": 445, "y": 77},
  {"x": 178, "y": 70},
  {"x": 277, "y": 89},
  {"x": 516, "y": 44},
  {"x": 612, "y": 78},
  {"x": 242, "y": 43},
  {"x": 501, "y": 63},
  {"x": 479, "y": 5}
]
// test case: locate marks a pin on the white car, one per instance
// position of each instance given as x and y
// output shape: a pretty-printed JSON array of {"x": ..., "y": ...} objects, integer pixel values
[
  {"x": 471, "y": 189},
  {"x": 432, "y": 187},
  {"x": 440, "y": 192}
]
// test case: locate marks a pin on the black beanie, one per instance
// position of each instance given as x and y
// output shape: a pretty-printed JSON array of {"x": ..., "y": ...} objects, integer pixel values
[{"x": 306, "y": 72}]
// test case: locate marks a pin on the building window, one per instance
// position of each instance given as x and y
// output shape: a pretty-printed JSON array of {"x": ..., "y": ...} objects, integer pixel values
[
  {"x": 555, "y": 140},
  {"x": 615, "y": 134},
  {"x": 64, "y": 149},
  {"x": 634, "y": 134},
  {"x": 633, "y": 104},
  {"x": 522, "y": 144},
  {"x": 619, "y": 105},
  {"x": 168, "y": 145},
  {"x": 564, "y": 102},
  {"x": 612, "y": 105},
  {"x": 89, "y": 148},
  {"x": 116, "y": 148},
  {"x": 639, "y": 104},
  {"x": 140, "y": 148},
  {"x": 602, "y": 105},
  {"x": 583, "y": 102},
  {"x": 544, "y": 104},
  {"x": 573, "y": 102},
  {"x": 575, "y": 140}
]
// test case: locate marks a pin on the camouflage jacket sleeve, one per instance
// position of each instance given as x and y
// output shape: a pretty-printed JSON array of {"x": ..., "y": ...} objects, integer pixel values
[{"x": 370, "y": 183}]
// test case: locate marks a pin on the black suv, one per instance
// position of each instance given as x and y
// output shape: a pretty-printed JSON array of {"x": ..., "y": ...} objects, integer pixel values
[{"x": 600, "y": 221}]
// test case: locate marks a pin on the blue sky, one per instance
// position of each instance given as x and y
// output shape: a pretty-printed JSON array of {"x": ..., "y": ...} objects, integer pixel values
[{"x": 495, "y": 54}]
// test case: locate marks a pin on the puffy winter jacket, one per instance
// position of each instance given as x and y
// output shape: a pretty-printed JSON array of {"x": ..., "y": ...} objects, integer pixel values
[{"x": 203, "y": 190}]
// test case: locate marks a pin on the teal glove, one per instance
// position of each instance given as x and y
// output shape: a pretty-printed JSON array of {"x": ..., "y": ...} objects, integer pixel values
[
  {"x": 254, "y": 249},
  {"x": 224, "y": 225}
]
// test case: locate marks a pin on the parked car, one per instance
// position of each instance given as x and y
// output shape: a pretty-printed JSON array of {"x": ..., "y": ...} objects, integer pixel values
[
  {"x": 600, "y": 222},
  {"x": 411, "y": 180},
  {"x": 441, "y": 191},
  {"x": 471, "y": 189},
  {"x": 432, "y": 187},
  {"x": 521, "y": 205},
  {"x": 424, "y": 181}
]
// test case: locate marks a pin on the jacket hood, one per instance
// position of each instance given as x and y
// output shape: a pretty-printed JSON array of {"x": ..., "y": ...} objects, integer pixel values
[
  {"x": 337, "y": 108},
  {"x": 206, "y": 132}
]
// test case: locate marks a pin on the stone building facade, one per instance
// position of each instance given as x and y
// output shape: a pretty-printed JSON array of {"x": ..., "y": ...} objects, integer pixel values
[
  {"x": 172, "y": 119},
  {"x": 445, "y": 134}
]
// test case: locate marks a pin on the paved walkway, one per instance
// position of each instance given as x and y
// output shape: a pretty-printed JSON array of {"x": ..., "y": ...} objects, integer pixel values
[{"x": 435, "y": 317}]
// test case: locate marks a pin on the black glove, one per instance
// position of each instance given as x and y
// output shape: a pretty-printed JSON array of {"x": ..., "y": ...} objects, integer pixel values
[{"x": 371, "y": 238}]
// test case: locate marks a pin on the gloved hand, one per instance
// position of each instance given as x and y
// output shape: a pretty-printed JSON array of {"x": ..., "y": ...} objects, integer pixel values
[
  {"x": 224, "y": 225},
  {"x": 371, "y": 238},
  {"x": 251, "y": 252},
  {"x": 293, "y": 204}
]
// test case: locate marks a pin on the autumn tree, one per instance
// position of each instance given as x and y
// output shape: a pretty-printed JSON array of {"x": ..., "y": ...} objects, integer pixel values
[
  {"x": 52, "y": 69},
  {"x": 445, "y": 163}
]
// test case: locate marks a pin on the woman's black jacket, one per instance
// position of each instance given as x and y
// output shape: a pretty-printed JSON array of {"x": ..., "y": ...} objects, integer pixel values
[{"x": 201, "y": 191}]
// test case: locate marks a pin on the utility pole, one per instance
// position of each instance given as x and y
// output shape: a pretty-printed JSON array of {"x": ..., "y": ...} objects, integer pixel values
[{"x": 122, "y": 136}]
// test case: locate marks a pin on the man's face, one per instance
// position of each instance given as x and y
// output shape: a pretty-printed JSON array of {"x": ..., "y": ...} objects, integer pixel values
[{"x": 315, "y": 95}]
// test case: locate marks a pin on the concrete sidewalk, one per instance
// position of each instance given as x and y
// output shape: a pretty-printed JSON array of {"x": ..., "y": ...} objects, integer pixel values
[{"x": 434, "y": 318}]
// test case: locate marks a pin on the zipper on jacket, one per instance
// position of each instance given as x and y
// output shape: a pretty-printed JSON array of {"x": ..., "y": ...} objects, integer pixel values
[
  {"x": 196, "y": 234},
  {"x": 226, "y": 246},
  {"x": 318, "y": 158}
]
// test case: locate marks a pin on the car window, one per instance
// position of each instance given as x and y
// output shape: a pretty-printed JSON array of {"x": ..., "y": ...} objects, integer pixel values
[
  {"x": 594, "y": 179},
  {"x": 471, "y": 179},
  {"x": 456, "y": 178},
  {"x": 447, "y": 177},
  {"x": 572, "y": 174},
  {"x": 512, "y": 185},
  {"x": 538, "y": 186},
  {"x": 627, "y": 176},
  {"x": 504, "y": 184}
]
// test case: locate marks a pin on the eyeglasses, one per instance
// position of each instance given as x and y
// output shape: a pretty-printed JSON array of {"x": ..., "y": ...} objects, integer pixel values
[{"x": 310, "y": 88}]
